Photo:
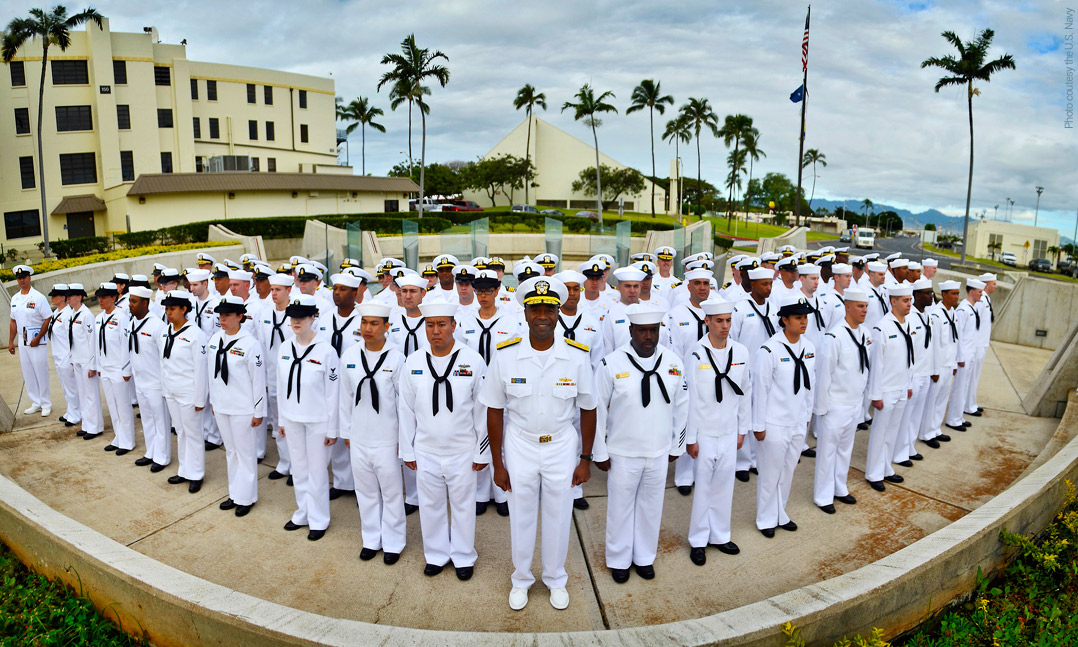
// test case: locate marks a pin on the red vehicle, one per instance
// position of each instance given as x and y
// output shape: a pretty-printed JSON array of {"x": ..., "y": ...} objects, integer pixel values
[{"x": 466, "y": 205}]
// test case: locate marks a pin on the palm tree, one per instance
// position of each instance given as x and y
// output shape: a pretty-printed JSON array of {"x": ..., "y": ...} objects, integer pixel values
[
  {"x": 413, "y": 94},
  {"x": 410, "y": 68},
  {"x": 699, "y": 114},
  {"x": 813, "y": 156},
  {"x": 993, "y": 247},
  {"x": 53, "y": 28},
  {"x": 649, "y": 95},
  {"x": 754, "y": 152},
  {"x": 362, "y": 114},
  {"x": 1054, "y": 252},
  {"x": 528, "y": 98},
  {"x": 733, "y": 130},
  {"x": 678, "y": 130},
  {"x": 585, "y": 109},
  {"x": 866, "y": 210},
  {"x": 970, "y": 66},
  {"x": 736, "y": 161}
]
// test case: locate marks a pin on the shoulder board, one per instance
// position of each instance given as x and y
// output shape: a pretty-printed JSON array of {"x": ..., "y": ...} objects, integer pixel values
[
  {"x": 829, "y": 334},
  {"x": 429, "y": 288},
  {"x": 508, "y": 342},
  {"x": 574, "y": 343},
  {"x": 727, "y": 284},
  {"x": 676, "y": 283},
  {"x": 510, "y": 289}
]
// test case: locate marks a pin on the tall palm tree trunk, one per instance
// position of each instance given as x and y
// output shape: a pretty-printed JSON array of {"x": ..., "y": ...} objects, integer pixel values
[
  {"x": 598, "y": 180},
  {"x": 813, "y": 194},
  {"x": 410, "y": 137},
  {"x": 422, "y": 160},
  {"x": 969, "y": 183},
  {"x": 699, "y": 182},
  {"x": 733, "y": 178},
  {"x": 651, "y": 120},
  {"x": 363, "y": 146},
  {"x": 748, "y": 187},
  {"x": 527, "y": 151},
  {"x": 41, "y": 145}
]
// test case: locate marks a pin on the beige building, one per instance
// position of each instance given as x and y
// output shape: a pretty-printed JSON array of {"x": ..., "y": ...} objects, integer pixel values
[
  {"x": 1026, "y": 242},
  {"x": 559, "y": 158},
  {"x": 121, "y": 107}
]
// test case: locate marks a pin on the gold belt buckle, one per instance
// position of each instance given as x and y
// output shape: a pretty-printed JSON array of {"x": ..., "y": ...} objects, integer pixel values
[{"x": 544, "y": 439}]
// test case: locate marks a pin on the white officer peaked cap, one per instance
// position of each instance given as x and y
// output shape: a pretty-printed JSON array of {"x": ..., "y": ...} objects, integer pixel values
[
  {"x": 734, "y": 260},
  {"x": 203, "y": 257},
  {"x": 700, "y": 263},
  {"x": 826, "y": 249},
  {"x": 647, "y": 267},
  {"x": 547, "y": 260},
  {"x": 789, "y": 263},
  {"x": 528, "y": 266},
  {"x": 875, "y": 266},
  {"x": 108, "y": 285},
  {"x": 247, "y": 258},
  {"x": 760, "y": 273},
  {"x": 158, "y": 267},
  {"x": 770, "y": 257},
  {"x": 747, "y": 262},
  {"x": 374, "y": 309},
  {"x": 891, "y": 257},
  {"x": 141, "y": 292},
  {"x": 975, "y": 284},
  {"x": 307, "y": 268},
  {"x": 808, "y": 270},
  {"x": 922, "y": 284},
  {"x": 914, "y": 265},
  {"x": 701, "y": 273},
  {"x": 389, "y": 261},
  {"x": 601, "y": 260},
  {"x": 949, "y": 285},
  {"x": 930, "y": 262},
  {"x": 282, "y": 279},
  {"x": 717, "y": 306},
  {"x": 871, "y": 257},
  {"x": 826, "y": 258},
  {"x": 358, "y": 272},
  {"x": 542, "y": 290},
  {"x": 904, "y": 290},
  {"x": 644, "y": 314},
  {"x": 986, "y": 277},
  {"x": 438, "y": 309},
  {"x": 198, "y": 275},
  {"x": 666, "y": 253},
  {"x": 347, "y": 280},
  {"x": 239, "y": 275},
  {"x": 411, "y": 280},
  {"x": 570, "y": 276},
  {"x": 855, "y": 294},
  {"x": 842, "y": 250},
  {"x": 446, "y": 261},
  {"x": 629, "y": 274},
  {"x": 465, "y": 270},
  {"x": 139, "y": 277},
  {"x": 231, "y": 300},
  {"x": 606, "y": 257},
  {"x": 58, "y": 287},
  {"x": 900, "y": 262},
  {"x": 842, "y": 268}
]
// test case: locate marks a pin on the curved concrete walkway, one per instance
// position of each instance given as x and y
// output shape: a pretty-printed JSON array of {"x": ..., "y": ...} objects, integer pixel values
[{"x": 254, "y": 556}]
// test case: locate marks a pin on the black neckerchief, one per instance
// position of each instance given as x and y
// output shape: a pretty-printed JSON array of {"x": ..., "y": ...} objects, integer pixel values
[
  {"x": 370, "y": 376},
  {"x": 862, "y": 350},
  {"x": 52, "y": 322},
  {"x": 840, "y": 298},
  {"x": 701, "y": 327},
  {"x": 928, "y": 330},
  {"x": 570, "y": 333},
  {"x": 277, "y": 325},
  {"x": 976, "y": 315},
  {"x": 769, "y": 327},
  {"x": 645, "y": 382},
  {"x": 132, "y": 341},
  {"x": 724, "y": 375},
  {"x": 442, "y": 379},
  {"x": 800, "y": 369},
  {"x": 296, "y": 369},
  {"x": 991, "y": 312},
  {"x": 101, "y": 342},
  {"x": 220, "y": 363},
  {"x": 337, "y": 339},
  {"x": 71, "y": 329},
  {"x": 817, "y": 314},
  {"x": 909, "y": 343},
  {"x": 950, "y": 322},
  {"x": 172, "y": 339},
  {"x": 411, "y": 337},
  {"x": 879, "y": 298},
  {"x": 484, "y": 339},
  {"x": 199, "y": 311}
]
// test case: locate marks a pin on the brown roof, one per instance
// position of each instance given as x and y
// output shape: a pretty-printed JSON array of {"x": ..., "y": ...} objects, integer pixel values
[
  {"x": 79, "y": 204},
  {"x": 151, "y": 183}
]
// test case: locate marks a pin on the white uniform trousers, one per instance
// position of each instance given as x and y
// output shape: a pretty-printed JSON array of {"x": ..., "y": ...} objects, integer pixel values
[
  {"x": 541, "y": 478},
  {"x": 437, "y": 477},
  {"x": 746, "y": 456},
  {"x": 35, "y": 374},
  {"x": 911, "y": 421},
  {"x": 284, "y": 462},
  {"x": 684, "y": 470},
  {"x": 959, "y": 394},
  {"x": 190, "y": 447},
  {"x": 975, "y": 380},
  {"x": 132, "y": 395},
  {"x": 380, "y": 496},
  {"x": 70, "y": 384},
  {"x": 340, "y": 464},
  {"x": 709, "y": 521},
  {"x": 155, "y": 425},
  {"x": 939, "y": 392},
  {"x": 93, "y": 421},
  {"x": 411, "y": 494},
  {"x": 634, "y": 508},
  {"x": 835, "y": 432},
  {"x": 240, "y": 457},
  {"x": 777, "y": 455},
  {"x": 310, "y": 472},
  {"x": 883, "y": 436},
  {"x": 210, "y": 430},
  {"x": 485, "y": 490},
  {"x": 120, "y": 412}
]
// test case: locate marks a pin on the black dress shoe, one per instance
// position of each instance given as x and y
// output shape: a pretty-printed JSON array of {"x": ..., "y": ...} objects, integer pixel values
[
  {"x": 768, "y": 532},
  {"x": 242, "y": 510},
  {"x": 955, "y": 427},
  {"x": 176, "y": 480},
  {"x": 502, "y": 508},
  {"x": 274, "y": 475},
  {"x": 157, "y": 467},
  {"x": 464, "y": 573},
  {"x": 980, "y": 409},
  {"x": 121, "y": 452},
  {"x": 90, "y": 436},
  {"x": 410, "y": 509},
  {"x": 729, "y": 548},
  {"x": 862, "y": 426},
  {"x": 289, "y": 482},
  {"x": 742, "y": 475},
  {"x": 143, "y": 462},
  {"x": 753, "y": 470},
  {"x": 877, "y": 485},
  {"x": 698, "y": 556},
  {"x": 789, "y": 526},
  {"x": 211, "y": 446},
  {"x": 336, "y": 493},
  {"x": 966, "y": 424},
  {"x": 684, "y": 490},
  {"x": 173, "y": 430},
  {"x": 68, "y": 423},
  {"x": 809, "y": 453},
  {"x": 390, "y": 558},
  {"x": 110, "y": 448},
  {"x": 620, "y": 575},
  {"x": 905, "y": 463},
  {"x": 829, "y": 508},
  {"x": 976, "y": 413},
  {"x": 943, "y": 438},
  {"x": 367, "y": 554},
  {"x": 194, "y": 486},
  {"x": 289, "y": 526},
  {"x": 62, "y": 419},
  {"x": 646, "y": 572},
  {"x": 917, "y": 457},
  {"x": 261, "y": 459},
  {"x": 315, "y": 535},
  {"x": 581, "y": 504},
  {"x": 80, "y": 433},
  {"x": 848, "y": 499},
  {"x": 481, "y": 507},
  {"x": 430, "y": 570},
  {"x": 894, "y": 478},
  {"x": 227, "y": 504},
  {"x": 933, "y": 443}
]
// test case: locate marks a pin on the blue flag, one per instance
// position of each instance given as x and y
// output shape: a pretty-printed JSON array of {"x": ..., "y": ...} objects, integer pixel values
[{"x": 798, "y": 94}]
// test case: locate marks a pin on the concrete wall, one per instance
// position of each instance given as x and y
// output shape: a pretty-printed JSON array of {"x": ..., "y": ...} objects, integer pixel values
[
  {"x": 1057, "y": 381},
  {"x": 1037, "y": 305},
  {"x": 1014, "y": 236},
  {"x": 575, "y": 248},
  {"x": 796, "y": 236}
]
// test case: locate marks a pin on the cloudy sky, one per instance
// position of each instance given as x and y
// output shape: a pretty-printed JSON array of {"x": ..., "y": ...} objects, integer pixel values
[{"x": 872, "y": 111}]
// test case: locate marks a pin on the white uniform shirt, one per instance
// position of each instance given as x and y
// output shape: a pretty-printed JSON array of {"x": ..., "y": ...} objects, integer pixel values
[
  {"x": 921, "y": 329},
  {"x": 314, "y": 374},
  {"x": 707, "y": 415},
  {"x": 111, "y": 331},
  {"x": 878, "y": 304},
  {"x": 332, "y": 322},
  {"x": 437, "y": 294},
  {"x": 399, "y": 326},
  {"x": 30, "y": 312},
  {"x": 626, "y": 427},
  {"x": 616, "y": 327},
  {"x": 276, "y": 329},
  {"x": 205, "y": 317},
  {"x": 83, "y": 341},
  {"x": 969, "y": 322},
  {"x": 586, "y": 330},
  {"x": 774, "y": 402},
  {"x": 944, "y": 339},
  {"x": 820, "y": 320},
  {"x": 748, "y": 326},
  {"x": 684, "y": 328},
  {"x": 359, "y": 422},
  {"x": 183, "y": 369},
  {"x": 843, "y": 368},
  {"x": 502, "y": 327},
  {"x": 57, "y": 337},
  {"x": 892, "y": 365},
  {"x": 598, "y": 308},
  {"x": 665, "y": 284},
  {"x": 245, "y": 392},
  {"x": 143, "y": 342},
  {"x": 988, "y": 317}
]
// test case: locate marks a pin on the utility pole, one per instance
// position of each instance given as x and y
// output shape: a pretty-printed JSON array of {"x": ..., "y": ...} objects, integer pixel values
[
  {"x": 995, "y": 214},
  {"x": 1037, "y": 212},
  {"x": 1010, "y": 211}
]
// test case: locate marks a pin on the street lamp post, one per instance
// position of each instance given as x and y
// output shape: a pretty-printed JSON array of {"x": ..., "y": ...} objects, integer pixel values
[
  {"x": 1037, "y": 211},
  {"x": 995, "y": 214},
  {"x": 1010, "y": 211}
]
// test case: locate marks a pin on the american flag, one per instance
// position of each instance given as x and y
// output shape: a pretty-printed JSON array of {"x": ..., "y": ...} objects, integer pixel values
[{"x": 805, "y": 43}]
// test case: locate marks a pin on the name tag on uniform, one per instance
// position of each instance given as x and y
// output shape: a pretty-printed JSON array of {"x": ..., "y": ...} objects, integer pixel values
[
  {"x": 892, "y": 336},
  {"x": 751, "y": 314},
  {"x": 469, "y": 332},
  {"x": 350, "y": 366},
  {"x": 683, "y": 323},
  {"x": 417, "y": 371},
  {"x": 285, "y": 357},
  {"x": 518, "y": 380},
  {"x": 784, "y": 359},
  {"x": 621, "y": 375},
  {"x": 704, "y": 367}
]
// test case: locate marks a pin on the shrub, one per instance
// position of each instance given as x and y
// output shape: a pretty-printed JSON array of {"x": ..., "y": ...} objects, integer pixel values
[
  {"x": 137, "y": 239},
  {"x": 59, "y": 264},
  {"x": 72, "y": 247}
]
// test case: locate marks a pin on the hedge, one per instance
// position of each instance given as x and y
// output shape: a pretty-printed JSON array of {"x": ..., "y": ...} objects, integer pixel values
[{"x": 59, "y": 264}]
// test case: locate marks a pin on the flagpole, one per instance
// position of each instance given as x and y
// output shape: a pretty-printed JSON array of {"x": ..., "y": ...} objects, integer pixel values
[{"x": 801, "y": 135}]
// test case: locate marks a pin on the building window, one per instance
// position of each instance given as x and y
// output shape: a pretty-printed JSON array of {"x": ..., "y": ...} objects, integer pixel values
[
  {"x": 993, "y": 241},
  {"x": 254, "y": 164},
  {"x": 78, "y": 168},
  {"x": 22, "y": 121},
  {"x": 268, "y": 92},
  {"x": 119, "y": 72},
  {"x": 162, "y": 75},
  {"x": 22, "y": 224},
  {"x": 303, "y": 133},
  {"x": 252, "y": 130},
  {"x": 198, "y": 128},
  {"x": 69, "y": 73},
  {"x": 72, "y": 118},
  {"x": 302, "y": 98},
  {"x": 271, "y": 164},
  {"x": 127, "y": 166},
  {"x": 200, "y": 166},
  {"x": 270, "y": 132},
  {"x": 166, "y": 162},
  {"x": 18, "y": 75},
  {"x": 252, "y": 97},
  {"x": 215, "y": 128},
  {"x": 123, "y": 117},
  {"x": 393, "y": 206},
  {"x": 211, "y": 90},
  {"x": 26, "y": 170},
  {"x": 1040, "y": 248},
  {"x": 194, "y": 89},
  {"x": 164, "y": 117}
]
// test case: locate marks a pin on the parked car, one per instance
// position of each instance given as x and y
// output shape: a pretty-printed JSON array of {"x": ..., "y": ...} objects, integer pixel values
[
  {"x": 467, "y": 205},
  {"x": 587, "y": 214},
  {"x": 845, "y": 237},
  {"x": 524, "y": 208},
  {"x": 1008, "y": 258},
  {"x": 551, "y": 212},
  {"x": 1040, "y": 265},
  {"x": 428, "y": 205}
]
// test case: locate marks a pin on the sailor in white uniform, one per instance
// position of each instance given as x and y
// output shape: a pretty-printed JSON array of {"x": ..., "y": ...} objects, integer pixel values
[
  {"x": 54, "y": 332},
  {"x": 186, "y": 386},
  {"x": 755, "y": 321},
  {"x": 944, "y": 364},
  {"x": 276, "y": 330},
  {"x": 616, "y": 323},
  {"x": 592, "y": 300},
  {"x": 549, "y": 263},
  {"x": 444, "y": 289},
  {"x": 665, "y": 280},
  {"x": 890, "y": 385},
  {"x": 114, "y": 362},
  {"x": 922, "y": 328},
  {"x": 463, "y": 275},
  {"x": 988, "y": 317},
  {"x": 30, "y": 312},
  {"x": 969, "y": 321},
  {"x": 144, "y": 341}
]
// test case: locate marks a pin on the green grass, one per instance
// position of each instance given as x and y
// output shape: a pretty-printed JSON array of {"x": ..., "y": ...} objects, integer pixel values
[
  {"x": 760, "y": 230},
  {"x": 35, "y": 611},
  {"x": 997, "y": 265}
]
